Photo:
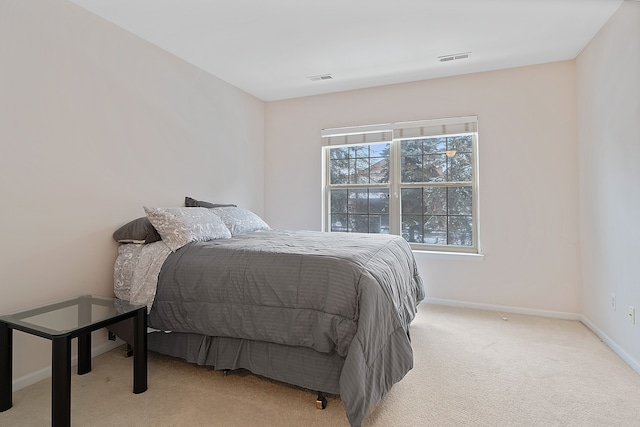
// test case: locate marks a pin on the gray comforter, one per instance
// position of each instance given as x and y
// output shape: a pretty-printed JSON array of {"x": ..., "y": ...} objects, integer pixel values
[{"x": 354, "y": 294}]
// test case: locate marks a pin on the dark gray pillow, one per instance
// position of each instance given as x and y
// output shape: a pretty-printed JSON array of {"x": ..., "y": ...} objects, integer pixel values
[
  {"x": 193, "y": 203},
  {"x": 137, "y": 231}
]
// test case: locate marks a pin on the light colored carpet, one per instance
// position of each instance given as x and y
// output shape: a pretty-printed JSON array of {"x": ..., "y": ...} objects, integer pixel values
[{"x": 472, "y": 368}]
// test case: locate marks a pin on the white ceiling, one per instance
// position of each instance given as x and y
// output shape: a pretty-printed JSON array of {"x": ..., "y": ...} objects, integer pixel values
[{"x": 269, "y": 48}]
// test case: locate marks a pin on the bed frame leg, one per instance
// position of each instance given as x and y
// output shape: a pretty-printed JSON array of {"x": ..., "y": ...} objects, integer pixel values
[{"x": 321, "y": 401}]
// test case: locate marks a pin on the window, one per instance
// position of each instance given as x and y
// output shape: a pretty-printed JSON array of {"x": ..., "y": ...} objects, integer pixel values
[{"x": 414, "y": 179}]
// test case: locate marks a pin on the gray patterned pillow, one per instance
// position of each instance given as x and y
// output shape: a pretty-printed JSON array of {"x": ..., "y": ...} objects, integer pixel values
[
  {"x": 179, "y": 226},
  {"x": 240, "y": 221}
]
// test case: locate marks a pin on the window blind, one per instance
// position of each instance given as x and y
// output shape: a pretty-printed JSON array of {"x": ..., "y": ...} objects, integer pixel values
[
  {"x": 427, "y": 128},
  {"x": 357, "y": 135},
  {"x": 401, "y": 130}
]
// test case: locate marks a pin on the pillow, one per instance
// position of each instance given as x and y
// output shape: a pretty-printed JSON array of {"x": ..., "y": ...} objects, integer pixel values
[
  {"x": 240, "y": 221},
  {"x": 193, "y": 203},
  {"x": 137, "y": 231},
  {"x": 179, "y": 226}
]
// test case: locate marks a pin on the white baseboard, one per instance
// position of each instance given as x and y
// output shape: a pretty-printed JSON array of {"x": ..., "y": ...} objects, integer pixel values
[
  {"x": 504, "y": 309},
  {"x": 43, "y": 374},
  {"x": 635, "y": 364},
  {"x": 629, "y": 360},
  {"x": 34, "y": 377}
]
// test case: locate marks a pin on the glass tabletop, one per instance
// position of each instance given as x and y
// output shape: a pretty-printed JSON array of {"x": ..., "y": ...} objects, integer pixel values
[{"x": 70, "y": 315}]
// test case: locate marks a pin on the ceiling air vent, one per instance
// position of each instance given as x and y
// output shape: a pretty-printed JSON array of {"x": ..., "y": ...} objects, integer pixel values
[
  {"x": 455, "y": 56},
  {"x": 320, "y": 77}
]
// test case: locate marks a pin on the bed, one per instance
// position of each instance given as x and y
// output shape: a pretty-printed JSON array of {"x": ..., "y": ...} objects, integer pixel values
[{"x": 328, "y": 312}]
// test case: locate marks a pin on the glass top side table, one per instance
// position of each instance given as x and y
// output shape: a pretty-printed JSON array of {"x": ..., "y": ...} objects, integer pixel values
[{"x": 60, "y": 322}]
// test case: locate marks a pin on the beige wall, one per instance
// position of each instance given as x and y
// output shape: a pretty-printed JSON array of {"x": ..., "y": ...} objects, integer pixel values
[
  {"x": 528, "y": 178},
  {"x": 94, "y": 124},
  {"x": 608, "y": 81}
]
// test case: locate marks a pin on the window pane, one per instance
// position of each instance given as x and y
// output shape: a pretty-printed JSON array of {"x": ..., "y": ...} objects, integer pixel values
[
  {"x": 459, "y": 167},
  {"x": 411, "y": 201},
  {"x": 358, "y": 151},
  {"x": 379, "y": 201},
  {"x": 339, "y": 153},
  {"x": 379, "y": 224},
  {"x": 339, "y": 170},
  {"x": 441, "y": 159},
  {"x": 339, "y": 222},
  {"x": 460, "y": 231},
  {"x": 411, "y": 160},
  {"x": 358, "y": 202},
  {"x": 460, "y": 143},
  {"x": 379, "y": 171},
  {"x": 435, "y": 201},
  {"x": 460, "y": 201},
  {"x": 360, "y": 210},
  {"x": 411, "y": 147},
  {"x": 435, "y": 230},
  {"x": 359, "y": 164},
  {"x": 412, "y": 169},
  {"x": 379, "y": 163},
  {"x": 435, "y": 145},
  {"x": 339, "y": 201},
  {"x": 358, "y": 223},
  {"x": 412, "y": 228},
  {"x": 352, "y": 174},
  {"x": 437, "y": 215},
  {"x": 379, "y": 150},
  {"x": 361, "y": 171},
  {"x": 435, "y": 167}
]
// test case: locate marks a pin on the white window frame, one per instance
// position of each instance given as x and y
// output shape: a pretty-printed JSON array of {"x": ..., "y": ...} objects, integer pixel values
[{"x": 394, "y": 133}]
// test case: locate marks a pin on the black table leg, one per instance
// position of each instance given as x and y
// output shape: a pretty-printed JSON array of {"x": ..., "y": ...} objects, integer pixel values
[
  {"x": 84, "y": 341},
  {"x": 84, "y": 353},
  {"x": 6, "y": 368},
  {"x": 140, "y": 351},
  {"x": 61, "y": 382}
]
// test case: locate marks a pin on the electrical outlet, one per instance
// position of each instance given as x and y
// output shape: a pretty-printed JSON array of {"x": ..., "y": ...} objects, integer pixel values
[
  {"x": 613, "y": 301},
  {"x": 632, "y": 315}
]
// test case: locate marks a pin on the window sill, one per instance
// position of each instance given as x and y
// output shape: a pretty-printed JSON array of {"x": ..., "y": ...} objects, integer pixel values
[{"x": 449, "y": 256}]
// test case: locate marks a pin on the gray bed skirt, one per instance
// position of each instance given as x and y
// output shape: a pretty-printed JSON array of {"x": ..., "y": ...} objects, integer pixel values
[{"x": 298, "y": 366}]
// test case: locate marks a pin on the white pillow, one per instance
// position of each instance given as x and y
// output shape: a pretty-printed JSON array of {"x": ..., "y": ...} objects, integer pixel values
[
  {"x": 179, "y": 226},
  {"x": 240, "y": 221}
]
